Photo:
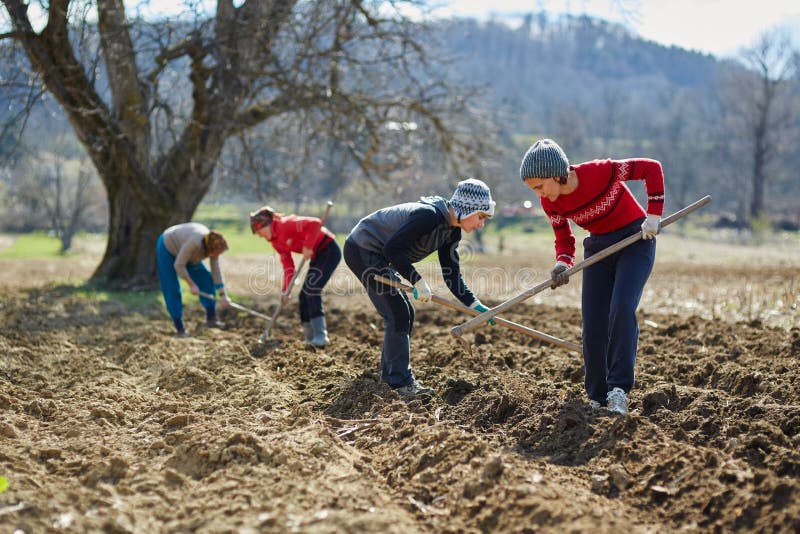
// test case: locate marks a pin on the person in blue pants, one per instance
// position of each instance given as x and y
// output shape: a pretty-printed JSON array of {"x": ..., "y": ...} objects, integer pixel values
[
  {"x": 595, "y": 196},
  {"x": 180, "y": 252}
]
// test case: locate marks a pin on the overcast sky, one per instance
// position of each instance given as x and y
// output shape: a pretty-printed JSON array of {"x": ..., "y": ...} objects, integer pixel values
[{"x": 719, "y": 27}]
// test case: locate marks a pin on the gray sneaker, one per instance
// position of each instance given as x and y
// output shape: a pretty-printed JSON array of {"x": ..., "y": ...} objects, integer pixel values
[
  {"x": 617, "y": 401},
  {"x": 413, "y": 389}
]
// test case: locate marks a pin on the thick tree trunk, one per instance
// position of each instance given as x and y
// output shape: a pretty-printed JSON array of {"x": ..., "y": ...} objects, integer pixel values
[{"x": 133, "y": 229}]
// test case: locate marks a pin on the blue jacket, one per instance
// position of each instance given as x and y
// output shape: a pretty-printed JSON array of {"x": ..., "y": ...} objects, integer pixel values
[{"x": 407, "y": 233}]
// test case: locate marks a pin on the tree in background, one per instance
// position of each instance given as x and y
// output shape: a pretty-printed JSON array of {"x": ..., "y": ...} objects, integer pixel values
[
  {"x": 156, "y": 105},
  {"x": 760, "y": 108},
  {"x": 54, "y": 193}
]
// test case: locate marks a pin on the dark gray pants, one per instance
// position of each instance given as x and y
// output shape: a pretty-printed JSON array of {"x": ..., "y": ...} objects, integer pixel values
[
  {"x": 395, "y": 308},
  {"x": 319, "y": 272}
]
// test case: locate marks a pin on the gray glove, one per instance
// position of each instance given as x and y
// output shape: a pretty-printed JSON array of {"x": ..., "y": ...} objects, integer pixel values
[{"x": 558, "y": 276}]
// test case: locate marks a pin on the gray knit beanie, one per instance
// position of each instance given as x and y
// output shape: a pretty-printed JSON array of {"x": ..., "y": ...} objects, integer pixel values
[
  {"x": 472, "y": 196},
  {"x": 544, "y": 159}
]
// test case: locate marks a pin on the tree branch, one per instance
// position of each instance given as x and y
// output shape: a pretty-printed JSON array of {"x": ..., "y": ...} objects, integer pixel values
[
  {"x": 52, "y": 55},
  {"x": 191, "y": 46},
  {"x": 128, "y": 94}
]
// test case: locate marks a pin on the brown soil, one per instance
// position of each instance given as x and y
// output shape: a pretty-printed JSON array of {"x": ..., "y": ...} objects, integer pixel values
[{"x": 109, "y": 423}]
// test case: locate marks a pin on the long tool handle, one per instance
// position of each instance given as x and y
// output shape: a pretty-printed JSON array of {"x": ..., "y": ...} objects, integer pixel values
[
  {"x": 286, "y": 293},
  {"x": 503, "y": 322},
  {"x": 461, "y": 329},
  {"x": 238, "y": 307}
]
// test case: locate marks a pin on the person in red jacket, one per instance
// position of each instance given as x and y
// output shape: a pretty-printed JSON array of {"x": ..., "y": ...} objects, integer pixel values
[
  {"x": 317, "y": 244},
  {"x": 594, "y": 196}
]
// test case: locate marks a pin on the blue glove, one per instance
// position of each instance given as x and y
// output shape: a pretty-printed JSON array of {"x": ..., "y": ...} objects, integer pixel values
[{"x": 477, "y": 306}]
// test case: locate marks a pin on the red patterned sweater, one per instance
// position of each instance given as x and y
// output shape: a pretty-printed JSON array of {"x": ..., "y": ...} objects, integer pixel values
[
  {"x": 602, "y": 203},
  {"x": 291, "y": 233}
]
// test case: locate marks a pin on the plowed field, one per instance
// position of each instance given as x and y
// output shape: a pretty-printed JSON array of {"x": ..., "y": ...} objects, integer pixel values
[{"x": 109, "y": 423}]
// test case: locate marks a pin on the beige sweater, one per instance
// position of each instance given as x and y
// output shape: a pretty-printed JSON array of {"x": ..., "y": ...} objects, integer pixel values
[{"x": 185, "y": 242}]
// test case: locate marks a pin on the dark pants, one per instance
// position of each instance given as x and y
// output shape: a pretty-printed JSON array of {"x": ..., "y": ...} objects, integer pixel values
[
  {"x": 395, "y": 308},
  {"x": 612, "y": 289},
  {"x": 320, "y": 270}
]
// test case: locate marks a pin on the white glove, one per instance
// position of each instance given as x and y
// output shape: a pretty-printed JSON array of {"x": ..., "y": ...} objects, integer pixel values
[
  {"x": 650, "y": 226},
  {"x": 422, "y": 291}
]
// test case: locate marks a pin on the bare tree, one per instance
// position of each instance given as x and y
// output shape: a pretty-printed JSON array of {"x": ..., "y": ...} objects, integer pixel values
[
  {"x": 759, "y": 100},
  {"x": 67, "y": 202},
  {"x": 609, "y": 115},
  {"x": 155, "y": 106},
  {"x": 66, "y": 199},
  {"x": 55, "y": 193}
]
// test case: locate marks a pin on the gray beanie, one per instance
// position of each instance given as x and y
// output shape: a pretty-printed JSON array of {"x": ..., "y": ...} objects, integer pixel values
[
  {"x": 544, "y": 159},
  {"x": 472, "y": 196}
]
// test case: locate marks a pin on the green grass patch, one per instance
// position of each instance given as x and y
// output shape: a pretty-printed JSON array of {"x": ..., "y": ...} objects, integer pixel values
[
  {"x": 33, "y": 245},
  {"x": 134, "y": 300}
]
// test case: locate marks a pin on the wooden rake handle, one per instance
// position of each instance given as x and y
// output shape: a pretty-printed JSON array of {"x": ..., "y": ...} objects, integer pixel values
[
  {"x": 503, "y": 322},
  {"x": 238, "y": 307},
  {"x": 461, "y": 329}
]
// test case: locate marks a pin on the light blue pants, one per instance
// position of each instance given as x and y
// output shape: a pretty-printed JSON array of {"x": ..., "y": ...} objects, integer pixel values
[{"x": 171, "y": 287}]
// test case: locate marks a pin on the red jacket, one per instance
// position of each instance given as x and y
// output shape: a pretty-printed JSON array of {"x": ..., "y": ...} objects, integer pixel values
[
  {"x": 291, "y": 233},
  {"x": 602, "y": 203}
]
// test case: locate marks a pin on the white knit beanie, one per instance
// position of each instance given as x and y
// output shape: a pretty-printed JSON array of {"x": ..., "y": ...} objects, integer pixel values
[
  {"x": 544, "y": 159},
  {"x": 472, "y": 196}
]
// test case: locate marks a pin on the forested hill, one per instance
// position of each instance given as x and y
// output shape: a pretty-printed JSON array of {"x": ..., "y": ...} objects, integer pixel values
[
  {"x": 572, "y": 45},
  {"x": 570, "y": 60}
]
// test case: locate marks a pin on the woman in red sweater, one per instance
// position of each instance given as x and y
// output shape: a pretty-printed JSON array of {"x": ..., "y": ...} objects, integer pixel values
[
  {"x": 595, "y": 197},
  {"x": 317, "y": 244}
]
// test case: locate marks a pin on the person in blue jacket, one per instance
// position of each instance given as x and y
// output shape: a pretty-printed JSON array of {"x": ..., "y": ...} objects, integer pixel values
[{"x": 388, "y": 242}]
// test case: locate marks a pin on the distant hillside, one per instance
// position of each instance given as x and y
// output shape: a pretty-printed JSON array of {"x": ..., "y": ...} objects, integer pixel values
[{"x": 571, "y": 59}]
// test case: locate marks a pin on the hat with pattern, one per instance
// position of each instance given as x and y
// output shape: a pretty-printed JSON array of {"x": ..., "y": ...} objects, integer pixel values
[
  {"x": 472, "y": 196},
  {"x": 544, "y": 159}
]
